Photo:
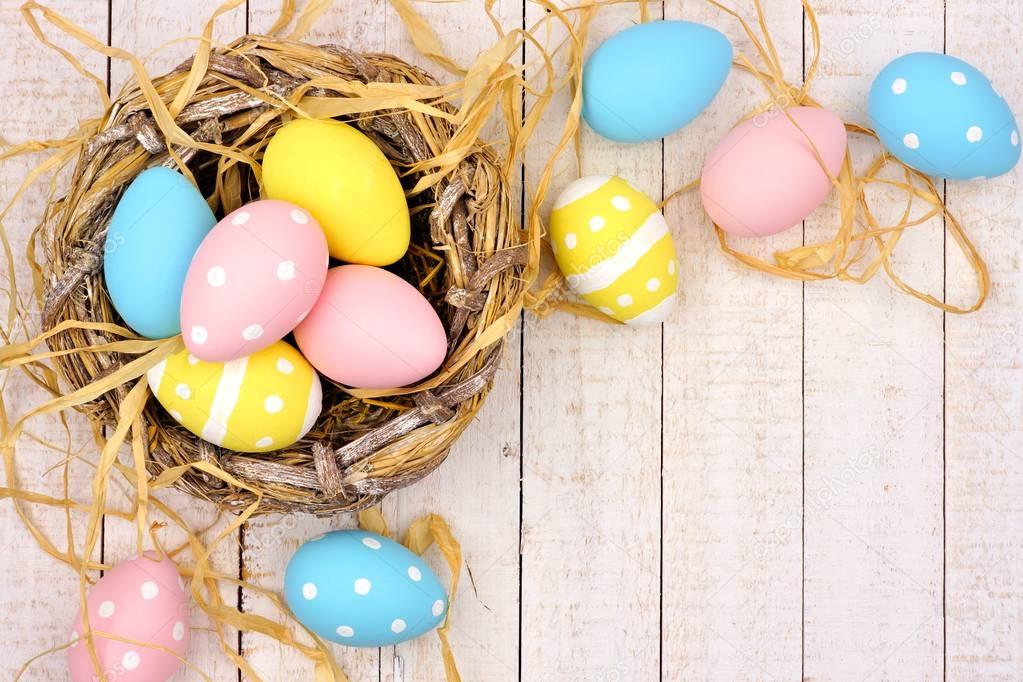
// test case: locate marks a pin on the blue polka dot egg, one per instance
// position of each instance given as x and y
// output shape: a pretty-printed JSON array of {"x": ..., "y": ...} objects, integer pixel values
[
  {"x": 362, "y": 589},
  {"x": 941, "y": 116}
]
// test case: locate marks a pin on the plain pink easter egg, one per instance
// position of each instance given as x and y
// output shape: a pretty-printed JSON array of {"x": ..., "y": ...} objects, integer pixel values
[
  {"x": 372, "y": 329},
  {"x": 253, "y": 279},
  {"x": 763, "y": 178},
  {"x": 144, "y": 600}
]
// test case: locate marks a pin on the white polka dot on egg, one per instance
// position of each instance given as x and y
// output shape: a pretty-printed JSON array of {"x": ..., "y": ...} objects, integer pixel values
[
  {"x": 625, "y": 300},
  {"x": 299, "y": 217},
  {"x": 177, "y": 415},
  {"x": 571, "y": 240},
  {"x": 911, "y": 140},
  {"x": 899, "y": 86},
  {"x": 415, "y": 574},
  {"x": 653, "y": 284},
  {"x": 362, "y": 586},
  {"x": 372, "y": 543},
  {"x": 149, "y": 590},
  {"x": 252, "y": 332},
  {"x": 958, "y": 77},
  {"x": 607, "y": 311},
  {"x": 974, "y": 134},
  {"x": 284, "y": 367},
  {"x": 131, "y": 660},
  {"x": 397, "y": 626},
  {"x": 199, "y": 335},
  {"x": 216, "y": 276},
  {"x": 286, "y": 270},
  {"x": 597, "y": 223},
  {"x": 264, "y": 442},
  {"x": 183, "y": 391},
  {"x": 192, "y": 360},
  {"x": 178, "y": 633},
  {"x": 438, "y": 607},
  {"x": 671, "y": 267},
  {"x": 301, "y": 317},
  {"x": 621, "y": 203},
  {"x": 309, "y": 591},
  {"x": 345, "y": 631},
  {"x": 273, "y": 404},
  {"x": 241, "y": 218},
  {"x": 1014, "y": 138},
  {"x": 106, "y": 609}
]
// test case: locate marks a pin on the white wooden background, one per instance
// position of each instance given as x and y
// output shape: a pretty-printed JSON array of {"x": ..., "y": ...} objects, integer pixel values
[{"x": 784, "y": 481}]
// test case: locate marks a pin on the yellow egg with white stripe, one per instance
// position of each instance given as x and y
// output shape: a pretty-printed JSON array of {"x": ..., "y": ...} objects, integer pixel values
[
  {"x": 261, "y": 402},
  {"x": 615, "y": 249}
]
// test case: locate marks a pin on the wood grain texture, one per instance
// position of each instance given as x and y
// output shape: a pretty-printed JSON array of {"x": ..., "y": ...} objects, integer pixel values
[
  {"x": 591, "y": 460},
  {"x": 361, "y": 24},
  {"x": 732, "y": 416},
  {"x": 666, "y": 526},
  {"x": 477, "y": 488},
  {"x": 42, "y": 97},
  {"x": 144, "y": 28},
  {"x": 873, "y": 407},
  {"x": 984, "y": 403}
]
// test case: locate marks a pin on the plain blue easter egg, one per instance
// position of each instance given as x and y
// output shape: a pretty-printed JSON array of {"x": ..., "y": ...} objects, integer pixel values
[
  {"x": 156, "y": 229},
  {"x": 651, "y": 79},
  {"x": 941, "y": 116},
  {"x": 362, "y": 589}
]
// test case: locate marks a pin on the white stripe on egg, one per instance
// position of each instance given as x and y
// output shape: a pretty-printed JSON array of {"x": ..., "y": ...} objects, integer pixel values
[
  {"x": 581, "y": 188},
  {"x": 604, "y": 273},
  {"x": 655, "y": 315},
  {"x": 155, "y": 376},
  {"x": 225, "y": 398}
]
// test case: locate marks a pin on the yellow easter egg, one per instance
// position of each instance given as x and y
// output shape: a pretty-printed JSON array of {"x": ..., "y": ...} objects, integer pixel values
[
  {"x": 262, "y": 402},
  {"x": 615, "y": 249},
  {"x": 343, "y": 179}
]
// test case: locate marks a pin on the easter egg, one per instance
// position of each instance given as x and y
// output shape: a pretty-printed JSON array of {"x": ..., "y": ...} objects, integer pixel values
[
  {"x": 763, "y": 177},
  {"x": 342, "y": 178},
  {"x": 144, "y": 600},
  {"x": 615, "y": 249},
  {"x": 941, "y": 116},
  {"x": 372, "y": 329},
  {"x": 362, "y": 589},
  {"x": 653, "y": 78},
  {"x": 156, "y": 228},
  {"x": 252, "y": 280},
  {"x": 262, "y": 402}
]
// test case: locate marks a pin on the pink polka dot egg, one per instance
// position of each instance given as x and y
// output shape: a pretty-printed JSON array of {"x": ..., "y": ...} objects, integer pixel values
[
  {"x": 142, "y": 600},
  {"x": 253, "y": 279}
]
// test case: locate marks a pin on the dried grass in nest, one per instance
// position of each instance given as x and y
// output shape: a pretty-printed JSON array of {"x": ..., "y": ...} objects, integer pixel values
[{"x": 467, "y": 257}]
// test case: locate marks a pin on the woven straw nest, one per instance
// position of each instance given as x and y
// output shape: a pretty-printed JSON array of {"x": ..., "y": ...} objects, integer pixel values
[{"x": 468, "y": 258}]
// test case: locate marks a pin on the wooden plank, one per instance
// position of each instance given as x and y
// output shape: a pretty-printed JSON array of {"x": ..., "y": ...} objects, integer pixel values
[
  {"x": 477, "y": 488},
  {"x": 591, "y": 453},
  {"x": 732, "y": 416},
  {"x": 44, "y": 98},
  {"x": 873, "y": 405},
  {"x": 143, "y": 28},
  {"x": 269, "y": 541},
  {"x": 984, "y": 370}
]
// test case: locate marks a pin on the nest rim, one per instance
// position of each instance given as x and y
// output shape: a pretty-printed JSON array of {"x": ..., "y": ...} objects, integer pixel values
[{"x": 360, "y": 449}]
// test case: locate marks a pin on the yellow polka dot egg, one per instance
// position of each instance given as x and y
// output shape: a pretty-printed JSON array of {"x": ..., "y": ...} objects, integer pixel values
[
  {"x": 615, "y": 249},
  {"x": 258, "y": 403}
]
